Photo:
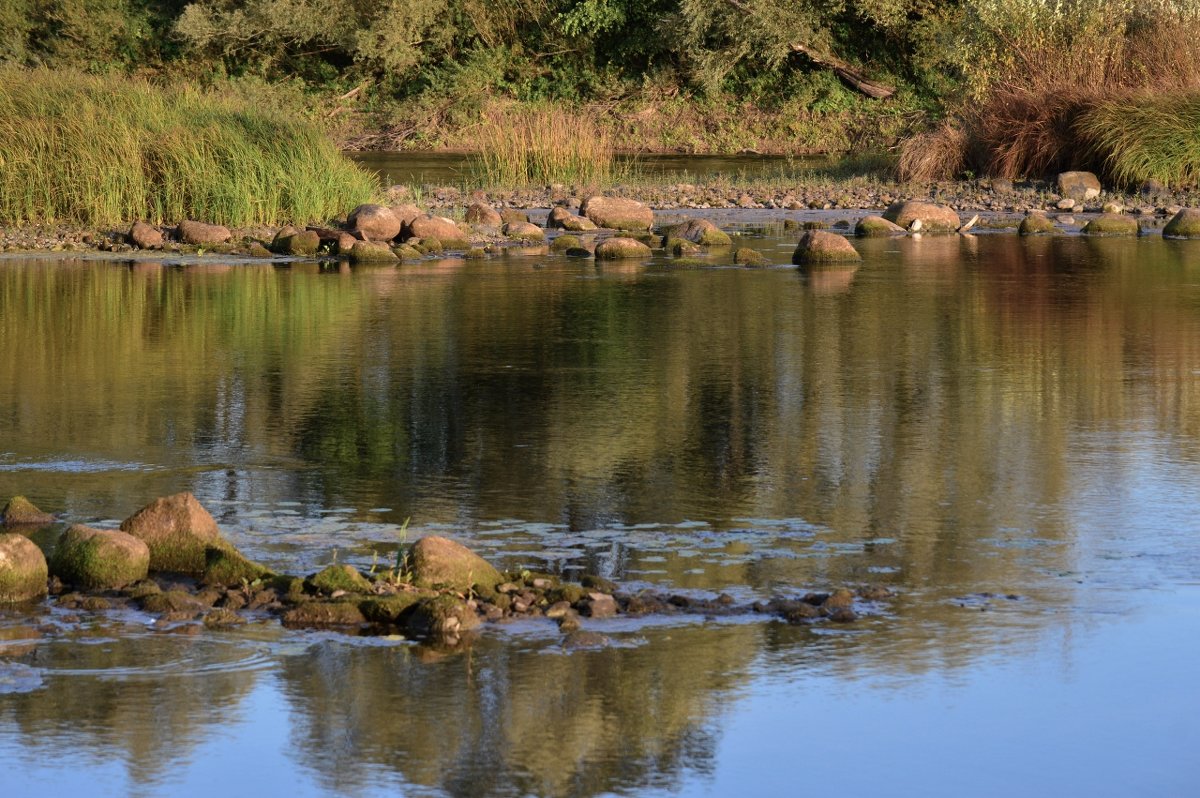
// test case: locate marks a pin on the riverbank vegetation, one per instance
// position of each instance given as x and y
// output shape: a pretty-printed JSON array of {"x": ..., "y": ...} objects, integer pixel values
[
  {"x": 105, "y": 149},
  {"x": 948, "y": 89}
]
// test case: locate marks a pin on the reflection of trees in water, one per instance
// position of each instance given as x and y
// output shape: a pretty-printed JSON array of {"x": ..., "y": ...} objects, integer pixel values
[
  {"x": 506, "y": 718},
  {"x": 145, "y": 700}
]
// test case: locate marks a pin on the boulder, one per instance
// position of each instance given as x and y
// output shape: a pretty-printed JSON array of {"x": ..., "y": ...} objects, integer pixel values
[
  {"x": 200, "y": 233},
  {"x": 406, "y": 212},
  {"x": 934, "y": 218},
  {"x": 873, "y": 226},
  {"x": 478, "y": 213},
  {"x": 145, "y": 236},
  {"x": 558, "y": 214},
  {"x": 428, "y": 226},
  {"x": 1081, "y": 186},
  {"x": 441, "y": 616},
  {"x": 750, "y": 257},
  {"x": 374, "y": 222},
  {"x": 178, "y": 531},
  {"x": 700, "y": 231},
  {"x": 1184, "y": 224},
  {"x": 523, "y": 231},
  {"x": 23, "y": 571},
  {"x": 320, "y": 614},
  {"x": 440, "y": 562},
  {"x": 21, "y": 512},
  {"x": 301, "y": 243},
  {"x": 621, "y": 249},
  {"x": 565, "y": 242},
  {"x": 371, "y": 252},
  {"x": 617, "y": 213},
  {"x": 1111, "y": 224},
  {"x": 345, "y": 242},
  {"x": 100, "y": 559},
  {"x": 577, "y": 224},
  {"x": 1036, "y": 224},
  {"x": 818, "y": 246},
  {"x": 390, "y": 609}
]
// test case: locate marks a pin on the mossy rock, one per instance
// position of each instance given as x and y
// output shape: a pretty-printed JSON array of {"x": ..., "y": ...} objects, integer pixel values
[
  {"x": 745, "y": 256},
  {"x": 876, "y": 227},
  {"x": 299, "y": 243},
  {"x": 1036, "y": 224},
  {"x": 333, "y": 578},
  {"x": 139, "y": 590},
  {"x": 579, "y": 252},
  {"x": 390, "y": 609},
  {"x": 441, "y": 616},
  {"x": 475, "y": 253},
  {"x": 681, "y": 247},
  {"x": 286, "y": 585},
  {"x": 524, "y": 231},
  {"x": 595, "y": 582},
  {"x": 513, "y": 216},
  {"x": 19, "y": 511},
  {"x": 100, "y": 559},
  {"x": 230, "y": 568},
  {"x": 432, "y": 246},
  {"x": 179, "y": 532},
  {"x": 223, "y": 618},
  {"x": 371, "y": 252},
  {"x": 563, "y": 243},
  {"x": 691, "y": 263},
  {"x": 816, "y": 225},
  {"x": 321, "y": 614},
  {"x": 568, "y": 592},
  {"x": 1184, "y": 224},
  {"x": 440, "y": 562},
  {"x": 818, "y": 246},
  {"x": 701, "y": 232},
  {"x": 256, "y": 249},
  {"x": 23, "y": 569},
  {"x": 1111, "y": 224},
  {"x": 406, "y": 253},
  {"x": 621, "y": 248}
]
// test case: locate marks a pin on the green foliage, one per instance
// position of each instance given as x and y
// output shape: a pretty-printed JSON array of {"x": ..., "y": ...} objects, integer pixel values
[
  {"x": 107, "y": 150},
  {"x": 1147, "y": 137},
  {"x": 539, "y": 146}
]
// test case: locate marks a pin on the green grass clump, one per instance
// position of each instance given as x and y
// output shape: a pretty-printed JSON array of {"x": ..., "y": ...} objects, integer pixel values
[
  {"x": 534, "y": 146},
  {"x": 1147, "y": 137},
  {"x": 108, "y": 150}
]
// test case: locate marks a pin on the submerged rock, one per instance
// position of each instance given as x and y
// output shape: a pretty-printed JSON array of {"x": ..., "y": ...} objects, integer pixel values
[
  {"x": 1111, "y": 224},
  {"x": 178, "y": 531},
  {"x": 23, "y": 570},
  {"x": 100, "y": 559},
  {"x": 1184, "y": 224},
  {"x": 1036, "y": 224},
  {"x": 21, "y": 512},
  {"x": 700, "y": 231},
  {"x": 621, "y": 249},
  {"x": 875, "y": 226},
  {"x": 440, "y": 562},
  {"x": 933, "y": 218},
  {"x": 818, "y": 246},
  {"x": 616, "y": 213}
]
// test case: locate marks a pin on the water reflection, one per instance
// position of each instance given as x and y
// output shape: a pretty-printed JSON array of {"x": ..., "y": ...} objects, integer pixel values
[{"x": 957, "y": 416}]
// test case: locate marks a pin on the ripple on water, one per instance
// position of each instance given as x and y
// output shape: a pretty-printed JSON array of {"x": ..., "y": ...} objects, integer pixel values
[{"x": 18, "y": 678}]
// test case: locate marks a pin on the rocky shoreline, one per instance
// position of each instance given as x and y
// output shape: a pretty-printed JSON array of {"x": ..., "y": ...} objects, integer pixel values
[
  {"x": 478, "y": 225},
  {"x": 170, "y": 561}
]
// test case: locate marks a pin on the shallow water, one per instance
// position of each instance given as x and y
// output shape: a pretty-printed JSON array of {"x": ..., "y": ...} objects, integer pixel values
[{"x": 1006, "y": 432}]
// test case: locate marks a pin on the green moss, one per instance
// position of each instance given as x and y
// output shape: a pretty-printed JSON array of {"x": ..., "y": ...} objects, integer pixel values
[
  {"x": 563, "y": 243},
  {"x": 20, "y": 510},
  {"x": 475, "y": 253},
  {"x": 389, "y": 609},
  {"x": 816, "y": 225},
  {"x": 441, "y": 615},
  {"x": 568, "y": 592},
  {"x": 172, "y": 601},
  {"x": 230, "y": 568},
  {"x": 1036, "y": 224},
  {"x": 750, "y": 257},
  {"x": 97, "y": 560},
  {"x": 1111, "y": 224},
  {"x": 1185, "y": 224},
  {"x": 715, "y": 238},
  {"x": 323, "y": 613},
  {"x": 339, "y": 577},
  {"x": 407, "y": 253}
]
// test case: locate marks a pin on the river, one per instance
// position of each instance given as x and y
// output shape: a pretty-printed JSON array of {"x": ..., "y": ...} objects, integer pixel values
[{"x": 1004, "y": 431}]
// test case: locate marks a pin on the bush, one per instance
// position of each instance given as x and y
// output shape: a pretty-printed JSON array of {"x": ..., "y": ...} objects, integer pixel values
[
  {"x": 106, "y": 150},
  {"x": 1146, "y": 137}
]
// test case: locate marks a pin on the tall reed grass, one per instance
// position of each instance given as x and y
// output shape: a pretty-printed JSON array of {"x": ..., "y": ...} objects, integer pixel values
[
  {"x": 525, "y": 147},
  {"x": 1146, "y": 137},
  {"x": 106, "y": 150}
]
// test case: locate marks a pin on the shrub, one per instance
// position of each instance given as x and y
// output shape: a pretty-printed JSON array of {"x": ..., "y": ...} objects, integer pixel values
[{"x": 105, "y": 150}]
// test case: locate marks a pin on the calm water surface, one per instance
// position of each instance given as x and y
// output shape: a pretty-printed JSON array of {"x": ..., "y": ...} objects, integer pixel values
[{"x": 1006, "y": 432}]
